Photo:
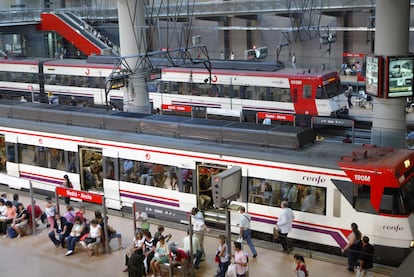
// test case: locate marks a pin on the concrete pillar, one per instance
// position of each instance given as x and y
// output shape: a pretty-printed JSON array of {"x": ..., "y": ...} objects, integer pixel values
[
  {"x": 391, "y": 38},
  {"x": 133, "y": 41}
]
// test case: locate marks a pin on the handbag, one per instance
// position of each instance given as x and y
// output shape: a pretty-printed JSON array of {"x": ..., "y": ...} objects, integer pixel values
[
  {"x": 89, "y": 240},
  {"x": 231, "y": 270},
  {"x": 275, "y": 232}
]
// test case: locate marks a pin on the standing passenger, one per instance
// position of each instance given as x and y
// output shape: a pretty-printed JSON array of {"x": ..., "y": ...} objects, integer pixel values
[
  {"x": 245, "y": 231},
  {"x": 50, "y": 212},
  {"x": 284, "y": 225},
  {"x": 240, "y": 260},
  {"x": 223, "y": 254},
  {"x": 67, "y": 184},
  {"x": 294, "y": 60},
  {"x": 199, "y": 226},
  {"x": 354, "y": 245},
  {"x": 365, "y": 258}
]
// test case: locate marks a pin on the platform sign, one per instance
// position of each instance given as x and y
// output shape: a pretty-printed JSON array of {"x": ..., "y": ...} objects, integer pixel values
[
  {"x": 399, "y": 76},
  {"x": 276, "y": 116},
  {"x": 176, "y": 108},
  {"x": 80, "y": 194},
  {"x": 374, "y": 75},
  {"x": 333, "y": 121},
  {"x": 162, "y": 213}
]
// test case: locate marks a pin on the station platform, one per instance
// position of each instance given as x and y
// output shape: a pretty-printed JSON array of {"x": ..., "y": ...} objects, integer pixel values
[{"x": 35, "y": 255}]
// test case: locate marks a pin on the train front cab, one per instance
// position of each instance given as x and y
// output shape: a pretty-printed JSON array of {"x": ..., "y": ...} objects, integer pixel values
[{"x": 382, "y": 186}]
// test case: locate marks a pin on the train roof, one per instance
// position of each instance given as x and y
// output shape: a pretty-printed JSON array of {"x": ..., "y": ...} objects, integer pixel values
[{"x": 201, "y": 135}]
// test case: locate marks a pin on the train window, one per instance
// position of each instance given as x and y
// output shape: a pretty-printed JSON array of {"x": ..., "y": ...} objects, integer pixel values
[
  {"x": 110, "y": 168},
  {"x": 151, "y": 174},
  {"x": 362, "y": 199},
  {"x": 333, "y": 89},
  {"x": 11, "y": 152},
  {"x": 258, "y": 93},
  {"x": 41, "y": 156},
  {"x": 321, "y": 93},
  {"x": 72, "y": 162},
  {"x": 307, "y": 91},
  {"x": 3, "y": 156},
  {"x": 392, "y": 202},
  {"x": 301, "y": 197}
]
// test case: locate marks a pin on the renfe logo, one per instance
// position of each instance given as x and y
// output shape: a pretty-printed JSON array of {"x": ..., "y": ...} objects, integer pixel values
[
  {"x": 316, "y": 180},
  {"x": 394, "y": 228},
  {"x": 364, "y": 178}
]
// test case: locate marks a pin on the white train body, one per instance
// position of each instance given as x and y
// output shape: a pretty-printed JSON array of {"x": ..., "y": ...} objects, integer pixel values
[{"x": 28, "y": 144}]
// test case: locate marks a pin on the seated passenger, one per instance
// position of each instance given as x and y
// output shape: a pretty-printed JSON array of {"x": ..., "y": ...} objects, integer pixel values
[
  {"x": 160, "y": 232},
  {"x": 112, "y": 233},
  {"x": 39, "y": 214},
  {"x": 161, "y": 256},
  {"x": 137, "y": 245},
  {"x": 8, "y": 218},
  {"x": 61, "y": 231},
  {"x": 20, "y": 221},
  {"x": 94, "y": 238},
  {"x": 75, "y": 234},
  {"x": 177, "y": 257}
]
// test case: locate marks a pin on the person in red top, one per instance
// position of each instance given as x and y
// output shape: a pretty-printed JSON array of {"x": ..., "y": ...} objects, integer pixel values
[
  {"x": 300, "y": 270},
  {"x": 81, "y": 214},
  {"x": 37, "y": 211},
  {"x": 177, "y": 257}
]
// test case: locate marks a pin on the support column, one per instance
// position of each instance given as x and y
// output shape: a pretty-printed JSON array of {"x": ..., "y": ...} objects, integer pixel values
[
  {"x": 133, "y": 41},
  {"x": 391, "y": 38}
]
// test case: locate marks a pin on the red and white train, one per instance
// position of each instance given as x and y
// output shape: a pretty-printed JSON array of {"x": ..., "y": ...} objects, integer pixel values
[
  {"x": 240, "y": 91},
  {"x": 333, "y": 184}
]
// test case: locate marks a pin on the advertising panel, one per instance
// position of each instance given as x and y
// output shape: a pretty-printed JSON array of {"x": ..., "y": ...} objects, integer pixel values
[
  {"x": 373, "y": 85},
  {"x": 399, "y": 82}
]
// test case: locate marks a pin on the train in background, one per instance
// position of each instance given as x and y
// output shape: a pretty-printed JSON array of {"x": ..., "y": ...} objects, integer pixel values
[
  {"x": 166, "y": 163},
  {"x": 240, "y": 87}
]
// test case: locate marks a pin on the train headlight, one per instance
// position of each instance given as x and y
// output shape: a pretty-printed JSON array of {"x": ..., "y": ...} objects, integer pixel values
[{"x": 412, "y": 244}]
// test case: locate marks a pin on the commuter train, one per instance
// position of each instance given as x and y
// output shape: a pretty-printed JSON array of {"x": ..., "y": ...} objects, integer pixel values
[
  {"x": 239, "y": 87},
  {"x": 166, "y": 164}
]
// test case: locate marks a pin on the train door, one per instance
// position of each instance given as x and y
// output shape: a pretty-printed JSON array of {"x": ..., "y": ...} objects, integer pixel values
[
  {"x": 90, "y": 164},
  {"x": 204, "y": 189}
]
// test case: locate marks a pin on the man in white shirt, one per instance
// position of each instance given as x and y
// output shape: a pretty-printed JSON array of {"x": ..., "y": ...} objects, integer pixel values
[
  {"x": 199, "y": 226},
  {"x": 284, "y": 225}
]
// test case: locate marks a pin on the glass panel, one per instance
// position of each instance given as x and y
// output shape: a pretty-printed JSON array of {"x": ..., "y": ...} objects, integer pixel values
[
  {"x": 73, "y": 166},
  {"x": 333, "y": 89},
  {"x": 407, "y": 194},
  {"x": 110, "y": 164},
  {"x": 307, "y": 91},
  {"x": 11, "y": 152},
  {"x": 300, "y": 197},
  {"x": 3, "y": 156},
  {"x": 159, "y": 175},
  {"x": 91, "y": 164}
]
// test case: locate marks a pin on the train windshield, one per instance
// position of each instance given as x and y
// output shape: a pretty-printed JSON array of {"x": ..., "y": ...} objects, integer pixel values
[
  {"x": 407, "y": 195},
  {"x": 329, "y": 90},
  {"x": 398, "y": 201}
]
